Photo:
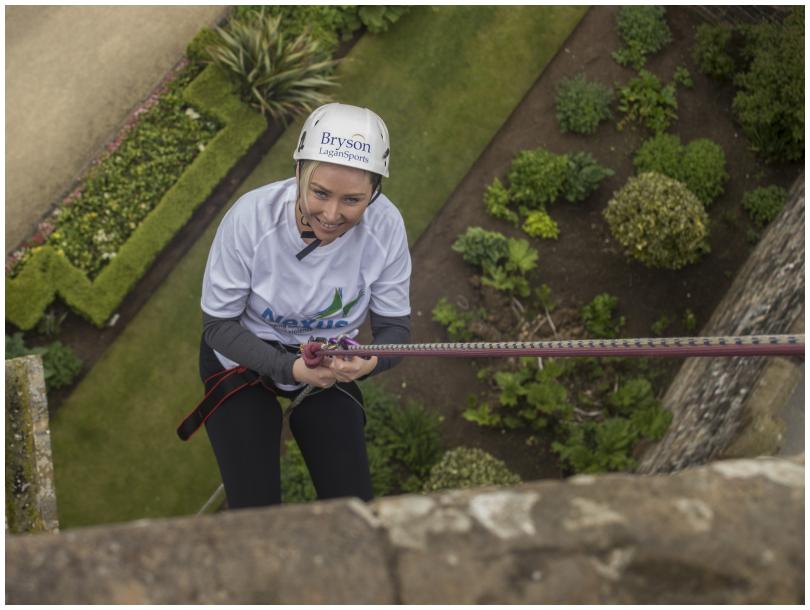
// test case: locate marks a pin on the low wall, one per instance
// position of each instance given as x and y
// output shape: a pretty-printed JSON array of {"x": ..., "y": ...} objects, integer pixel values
[
  {"x": 718, "y": 404},
  {"x": 731, "y": 532},
  {"x": 30, "y": 494}
]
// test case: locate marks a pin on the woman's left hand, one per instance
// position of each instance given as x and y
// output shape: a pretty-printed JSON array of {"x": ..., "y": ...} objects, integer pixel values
[{"x": 348, "y": 368}]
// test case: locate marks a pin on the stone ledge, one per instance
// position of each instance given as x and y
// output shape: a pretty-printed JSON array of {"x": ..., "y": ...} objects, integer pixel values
[{"x": 729, "y": 532}]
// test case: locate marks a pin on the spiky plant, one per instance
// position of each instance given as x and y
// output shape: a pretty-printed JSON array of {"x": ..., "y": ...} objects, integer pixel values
[{"x": 282, "y": 77}]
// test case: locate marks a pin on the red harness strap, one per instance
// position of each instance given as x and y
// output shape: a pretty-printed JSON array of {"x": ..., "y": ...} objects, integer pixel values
[{"x": 229, "y": 383}]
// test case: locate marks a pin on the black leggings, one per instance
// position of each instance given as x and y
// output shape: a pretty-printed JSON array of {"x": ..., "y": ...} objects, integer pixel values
[{"x": 245, "y": 433}]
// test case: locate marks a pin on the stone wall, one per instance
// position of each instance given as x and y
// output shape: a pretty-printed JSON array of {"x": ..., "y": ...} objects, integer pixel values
[
  {"x": 30, "y": 495},
  {"x": 731, "y": 532},
  {"x": 718, "y": 403}
]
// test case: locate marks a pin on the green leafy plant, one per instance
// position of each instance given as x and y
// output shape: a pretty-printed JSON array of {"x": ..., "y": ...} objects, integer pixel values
[
  {"x": 196, "y": 51},
  {"x": 689, "y": 320},
  {"x": 496, "y": 201},
  {"x": 378, "y": 18},
  {"x": 537, "y": 177},
  {"x": 280, "y": 75},
  {"x": 504, "y": 261},
  {"x": 482, "y": 248},
  {"x": 607, "y": 445},
  {"x": 583, "y": 177},
  {"x": 769, "y": 103},
  {"x": 700, "y": 165},
  {"x": 539, "y": 224},
  {"x": 764, "y": 204},
  {"x": 660, "y": 326},
  {"x": 582, "y": 104},
  {"x": 465, "y": 467},
  {"x": 711, "y": 52},
  {"x": 659, "y": 221},
  {"x": 60, "y": 364},
  {"x": 643, "y": 30},
  {"x": 646, "y": 100},
  {"x": 528, "y": 397},
  {"x": 455, "y": 320},
  {"x": 682, "y": 77},
  {"x": 599, "y": 316},
  {"x": 50, "y": 323},
  {"x": 402, "y": 442}
]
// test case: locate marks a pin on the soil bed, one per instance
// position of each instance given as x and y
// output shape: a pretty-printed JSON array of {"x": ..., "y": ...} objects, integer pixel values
[{"x": 585, "y": 261}]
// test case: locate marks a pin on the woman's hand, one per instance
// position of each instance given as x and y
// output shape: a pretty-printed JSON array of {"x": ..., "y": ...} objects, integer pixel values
[
  {"x": 321, "y": 376},
  {"x": 348, "y": 368}
]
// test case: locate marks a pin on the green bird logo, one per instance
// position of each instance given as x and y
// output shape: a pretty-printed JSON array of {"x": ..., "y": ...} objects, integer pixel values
[{"x": 337, "y": 304}]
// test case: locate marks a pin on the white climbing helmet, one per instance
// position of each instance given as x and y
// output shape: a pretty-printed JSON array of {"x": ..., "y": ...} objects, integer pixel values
[{"x": 345, "y": 135}]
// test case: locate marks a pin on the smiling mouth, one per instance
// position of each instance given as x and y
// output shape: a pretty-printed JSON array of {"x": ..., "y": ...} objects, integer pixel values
[{"x": 329, "y": 226}]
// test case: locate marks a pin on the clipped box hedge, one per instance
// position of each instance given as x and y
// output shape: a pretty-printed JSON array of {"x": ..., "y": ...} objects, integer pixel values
[{"x": 47, "y": 274}]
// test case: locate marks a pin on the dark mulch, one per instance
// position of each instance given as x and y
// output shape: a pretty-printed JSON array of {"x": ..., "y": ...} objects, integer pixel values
[{"x": 585, "y": 260}]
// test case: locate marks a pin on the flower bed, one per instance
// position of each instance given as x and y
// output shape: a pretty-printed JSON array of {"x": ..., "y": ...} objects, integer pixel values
[{"x": 140, "y": 206}]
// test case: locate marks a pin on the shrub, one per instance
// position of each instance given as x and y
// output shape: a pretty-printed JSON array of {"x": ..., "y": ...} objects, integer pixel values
[
  {"x": 682, "y": 77},
  {"x": 644, "y": 99},
  {"x": 599, "y": 317},
  {"x": 660, "y": 326},
  {"x": 711, "y": 51},
  {"x": 496, "y": 201},
  {"x": 504, "y": 261},
  {"x": 539, "y": 224},
  {"x": 482, "y": 248},
  {"x": 764, "y": 204},
  {"x": 537, "y": 177},
  {"x": 769, "y": 103},
  {"x": 659, "y": 221},
  {"x": 465, "y": 467},
  {"x": 280, "y": 75},
  {"x": 701, "y": 165},
  {"x": 607, "y": 445},
  {"x": 528, "y": 397},
  {"x": 60, "y": 364},
  {"x": 403, "y": 444},
  {"x": 455, "y": 320},
  {"x": 197, "y": 49},
  {"x": 689, "y": 320},
  {"x": 582, "y": 104},
  {"x": 644, "y": 31},
  {"x": 583, "y": 176},
  {"x": 379, "y": 18}
]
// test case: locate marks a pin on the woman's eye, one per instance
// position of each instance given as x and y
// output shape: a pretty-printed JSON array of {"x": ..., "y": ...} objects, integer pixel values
[
  {"x": 351, "y": 200},
  {"x": 320, "y": 194}
]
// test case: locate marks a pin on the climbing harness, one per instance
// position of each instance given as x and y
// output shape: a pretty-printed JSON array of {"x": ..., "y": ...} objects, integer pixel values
[
  {"x": 675, "y": 347},
  {"x": 230, "y": 381}
]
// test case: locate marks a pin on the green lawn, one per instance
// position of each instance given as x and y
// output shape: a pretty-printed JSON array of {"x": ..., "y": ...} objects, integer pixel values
[{"x": 444, "y": 79}]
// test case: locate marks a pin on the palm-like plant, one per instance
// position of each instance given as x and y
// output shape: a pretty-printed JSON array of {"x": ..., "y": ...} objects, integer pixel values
[{"x": 281, "y": 77}]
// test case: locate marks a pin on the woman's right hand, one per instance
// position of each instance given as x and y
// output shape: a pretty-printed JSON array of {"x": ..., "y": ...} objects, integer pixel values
[{"x": 320, "y": 377}]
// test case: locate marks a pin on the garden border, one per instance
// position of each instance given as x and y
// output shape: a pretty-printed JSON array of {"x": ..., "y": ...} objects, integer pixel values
[{"x": 48, "y": 274}]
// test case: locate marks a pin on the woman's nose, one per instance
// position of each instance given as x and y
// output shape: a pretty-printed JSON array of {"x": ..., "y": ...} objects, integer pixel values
[{"x": 331, "y": 210}]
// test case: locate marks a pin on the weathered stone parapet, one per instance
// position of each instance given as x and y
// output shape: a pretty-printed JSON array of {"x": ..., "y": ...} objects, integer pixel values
[
  {"x": 710, "y": 397},
  {"x": 30, "y": 494},
  {"x": 730, "y": 532}
]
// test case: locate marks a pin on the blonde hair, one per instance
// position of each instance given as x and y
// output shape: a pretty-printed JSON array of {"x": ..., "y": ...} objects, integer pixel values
[{"x": 306, "y": 171}]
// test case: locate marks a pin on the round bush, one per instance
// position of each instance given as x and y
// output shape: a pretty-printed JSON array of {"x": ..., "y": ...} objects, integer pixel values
[
  {"x": 701, "y": 165},
  {"x": 659, "y": 221},
  {"x": 764, "y": 204},
  {"x": 464, "y": 467},
  {"x": 582, "y": 104}
]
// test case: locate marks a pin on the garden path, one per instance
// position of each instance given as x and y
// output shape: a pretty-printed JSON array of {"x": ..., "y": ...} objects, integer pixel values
[{"x": 73, "y": 75}]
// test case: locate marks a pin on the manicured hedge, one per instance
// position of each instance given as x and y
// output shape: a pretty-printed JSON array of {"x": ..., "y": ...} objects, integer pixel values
[{"x": 46, "y": 274}]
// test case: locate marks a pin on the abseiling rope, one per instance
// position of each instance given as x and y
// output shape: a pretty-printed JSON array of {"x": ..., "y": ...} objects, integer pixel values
[{"x": 674, "y": 347}]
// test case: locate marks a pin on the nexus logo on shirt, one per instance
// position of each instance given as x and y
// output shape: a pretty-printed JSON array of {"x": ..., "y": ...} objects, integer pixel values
[{"x": 316, "y": 321}]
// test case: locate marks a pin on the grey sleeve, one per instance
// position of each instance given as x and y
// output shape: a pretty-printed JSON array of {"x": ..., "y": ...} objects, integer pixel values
[
  {"x": 232, "y": 340},
  {"x": 387, "y": 330}
]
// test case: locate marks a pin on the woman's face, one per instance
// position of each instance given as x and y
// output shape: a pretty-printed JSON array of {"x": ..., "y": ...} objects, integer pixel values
[{"x": 336, "y": 199}]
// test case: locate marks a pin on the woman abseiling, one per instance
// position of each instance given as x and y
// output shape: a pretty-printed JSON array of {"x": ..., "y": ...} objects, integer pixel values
[{"x": 306, "y": 257}]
